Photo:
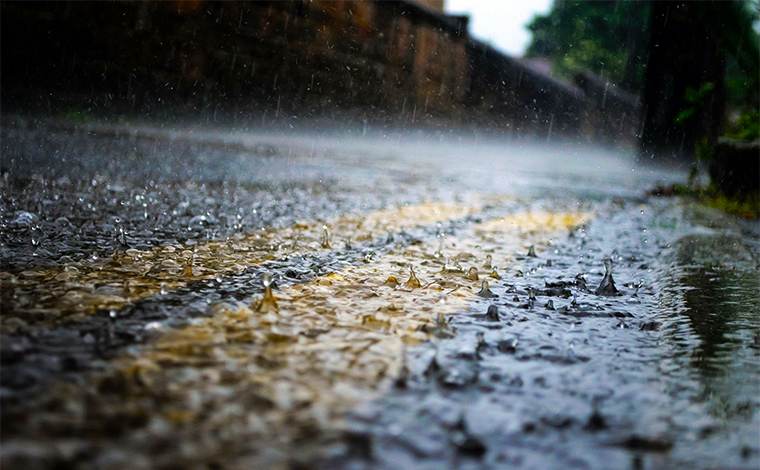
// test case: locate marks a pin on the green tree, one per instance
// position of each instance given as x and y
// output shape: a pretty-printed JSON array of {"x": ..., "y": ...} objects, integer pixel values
[
  {"x": 684, "y": 95},
  {"x": 695, "y": 64},
  {"x": 609, "y": 38}
]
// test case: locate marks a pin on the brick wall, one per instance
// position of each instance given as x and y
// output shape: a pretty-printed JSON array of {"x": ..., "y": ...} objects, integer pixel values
[{"x": 392, "y": 62}]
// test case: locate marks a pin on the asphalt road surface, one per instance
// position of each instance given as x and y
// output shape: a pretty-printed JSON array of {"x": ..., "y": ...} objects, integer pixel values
[{"x": 189, "y": 297}]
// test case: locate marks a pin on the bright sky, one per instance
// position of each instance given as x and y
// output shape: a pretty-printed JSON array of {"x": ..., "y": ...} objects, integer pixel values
[{"x": 500, "y": 22}]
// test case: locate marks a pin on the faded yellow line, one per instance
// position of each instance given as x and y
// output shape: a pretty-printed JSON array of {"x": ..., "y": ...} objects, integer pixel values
[
  {"x": 332, "y": 344},
  {"x": 70, "y": 292}
]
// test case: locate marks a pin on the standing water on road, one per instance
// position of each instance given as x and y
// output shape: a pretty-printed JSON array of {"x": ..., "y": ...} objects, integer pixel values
[{"x": 392, "y": 301}]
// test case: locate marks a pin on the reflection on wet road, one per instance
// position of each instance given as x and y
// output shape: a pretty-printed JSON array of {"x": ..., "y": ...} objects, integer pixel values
[{"x": 437, "y": 306}]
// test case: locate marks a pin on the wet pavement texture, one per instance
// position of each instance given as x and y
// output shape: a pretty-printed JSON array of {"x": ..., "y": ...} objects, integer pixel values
[
  {"x": 662, "y": 375},
  {"x": 441, "y": 302}
]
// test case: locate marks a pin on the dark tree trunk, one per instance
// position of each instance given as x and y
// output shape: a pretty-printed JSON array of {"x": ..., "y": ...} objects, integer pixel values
[
  {"x": 684, "y": 53},
  {"x": 637, "y": 49}
]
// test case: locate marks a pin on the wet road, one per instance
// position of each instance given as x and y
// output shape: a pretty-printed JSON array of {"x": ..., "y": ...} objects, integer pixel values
[{"x": 136, "y": 332}]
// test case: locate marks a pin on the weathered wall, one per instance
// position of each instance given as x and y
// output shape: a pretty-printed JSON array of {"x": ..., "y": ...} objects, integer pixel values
[
  {"x": 300, "y": 55},
  {"x": 434, "y": 5},
  {"x": 391, "y": 62}
]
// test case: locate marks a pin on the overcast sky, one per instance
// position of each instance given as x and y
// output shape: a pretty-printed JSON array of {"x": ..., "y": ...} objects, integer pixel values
[{"x": 500, "y": 22}]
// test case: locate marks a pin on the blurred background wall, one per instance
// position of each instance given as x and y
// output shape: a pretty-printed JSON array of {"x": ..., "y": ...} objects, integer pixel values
[{"x": 393, "y": 63}]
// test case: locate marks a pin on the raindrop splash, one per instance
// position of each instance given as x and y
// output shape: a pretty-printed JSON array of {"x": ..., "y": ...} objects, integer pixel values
[
  {"x": 531, "y": 294},
  {"x": 325, "y": 240},
  {"x": 122, "y": 238},
  {"x": 188, "y": 270},
  {"x": 440, "y": 236},
  {"x": 493, "y": 313},
  {"x": 607, "y": 286},
  {"x": 268, "y": 303},
  {"x": 485, "y": 291},
  {"x": 391, "y": 282},
  {"x": 413, "y": 282},
  {"x": 488, "y": 263}
]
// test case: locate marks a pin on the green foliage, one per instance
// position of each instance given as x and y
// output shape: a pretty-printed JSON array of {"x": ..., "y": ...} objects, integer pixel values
[
  {"x": 742, "y": 89},
  {"x": 746, "y": 128},
  {"x": 736, "y": 23},
  {"x": 743, "y": 72},
  {"x": 746, "y": 206},
  {"x": 607, "y": 37},
  {"x": 610, "y": 38},
  {"x": 694, "y": 98},
  {"x": 704, "y": 150}
]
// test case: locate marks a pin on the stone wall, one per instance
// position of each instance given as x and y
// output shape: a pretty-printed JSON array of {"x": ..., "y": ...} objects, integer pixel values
[{"x": 390, "y": 63}]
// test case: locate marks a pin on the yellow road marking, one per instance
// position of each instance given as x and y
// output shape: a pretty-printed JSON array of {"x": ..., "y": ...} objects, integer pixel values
[
  {"x": 73, "y": 291},
  {"x": 334, "y": 342}
]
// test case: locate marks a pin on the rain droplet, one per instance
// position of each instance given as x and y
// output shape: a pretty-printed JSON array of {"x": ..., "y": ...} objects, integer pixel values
[
  {"x": 268, "y": 303},
  {"x": 188, "y": 270},
  {"x": 472, "y": 274},
  {"x": 122, "y": 238},
  {"x": 532, "y": 252},
  {"x": 485, "y": 291},
  {"x": 391, "y": 281},
  {"x": 493, "y": 313},
  {"x": 489, "y": 260},
  {"x": 413, "y": 282},
  {"x": 446, "y": 266},
  {"x": 325, "y": 240},
  {"x": 607, "y": 286}
]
